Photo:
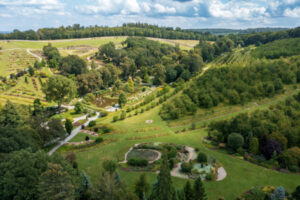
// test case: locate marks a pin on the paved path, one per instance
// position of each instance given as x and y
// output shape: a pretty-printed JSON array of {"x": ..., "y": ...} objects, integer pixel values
[
  {"x": 73, "y": 133},
  {"x": 37, "y": 56},
  {"x": 221, "y": 173},
  {"x": 191, "y": 156}
]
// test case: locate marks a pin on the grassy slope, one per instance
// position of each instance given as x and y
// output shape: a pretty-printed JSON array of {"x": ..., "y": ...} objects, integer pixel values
[{"x": 241, "y": 174}]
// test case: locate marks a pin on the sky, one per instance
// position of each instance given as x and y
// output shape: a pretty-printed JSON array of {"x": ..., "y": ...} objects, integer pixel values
[{"x": 234, "y": 14}]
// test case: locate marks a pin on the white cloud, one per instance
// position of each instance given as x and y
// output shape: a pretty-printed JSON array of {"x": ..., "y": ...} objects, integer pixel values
[
  {"x": 295, "y": 13},
  {"x": 164, "y": 9}
]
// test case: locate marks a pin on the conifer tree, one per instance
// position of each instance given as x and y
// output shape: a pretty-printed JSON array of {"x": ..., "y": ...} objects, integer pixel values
[
  {"x": 163, "y": 189},
  {"x": 188, "y": 191},
  {"x": 199, "y": 191},
  {"x": 141, "y": 187}
]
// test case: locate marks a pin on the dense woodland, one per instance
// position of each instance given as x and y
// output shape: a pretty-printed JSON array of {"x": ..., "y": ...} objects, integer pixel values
[
  {"x": 233, "y": 85},
  {"x": 272, "y": 134}
]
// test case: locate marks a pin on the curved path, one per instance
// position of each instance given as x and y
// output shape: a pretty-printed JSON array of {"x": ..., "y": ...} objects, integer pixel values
[
  {"x": 74, "y": 132},
  {"x": 37, "y": 56},
  {"x": 176, "y": 171}
]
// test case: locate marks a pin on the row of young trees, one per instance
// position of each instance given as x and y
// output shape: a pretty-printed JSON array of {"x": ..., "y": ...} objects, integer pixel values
[
  {"x": 234, "y": 85},
  {"x": 273, "y": 133}
]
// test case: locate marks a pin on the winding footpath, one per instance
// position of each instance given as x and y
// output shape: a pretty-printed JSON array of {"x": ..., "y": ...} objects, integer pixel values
[
  {"x": 74, "y": 132},
  {"x": 37, "y": 56}
]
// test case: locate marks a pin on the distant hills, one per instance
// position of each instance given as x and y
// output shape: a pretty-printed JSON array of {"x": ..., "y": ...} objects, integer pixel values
[{"x": 223, "y": 31}]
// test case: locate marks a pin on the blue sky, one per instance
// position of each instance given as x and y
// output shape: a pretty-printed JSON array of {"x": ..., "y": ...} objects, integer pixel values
[{"x": 34, "y": 14}]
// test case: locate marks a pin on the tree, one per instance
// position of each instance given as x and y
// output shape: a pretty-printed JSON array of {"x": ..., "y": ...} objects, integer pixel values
[
  {"x": 202, "y": 158},
  {"x": 59, "y": 89},
  {"x": 37, "y": 107},
  {"x": 163, "y": 189},
  {"x": 109, "y": 187},
  {"x": 131, "y": 84},
  {"x": 254, "y": 146},
  {"x": 122, "y": 100},
  {"x": 9, "y": 116},
  {"x": 269, "y": 148},
  {"x": 69, "y": 126},
  {"x": 78, "y": 108},
  {"x": 109, "y": 166},
  {"x": 20, "y": 172},
  {"x": 56, "y": 184},
  {"x": 188, "y": 191},
  {"x": 296, "y": 193},
  {"x": 199, "y": 191},
  {"x": 73, "y": 64},
  {"x": 31, "y": 71},
  {"x": 84, "y": 185},
  {"x": 141, "y": 187},
  {"x": 235, "y": 141}
]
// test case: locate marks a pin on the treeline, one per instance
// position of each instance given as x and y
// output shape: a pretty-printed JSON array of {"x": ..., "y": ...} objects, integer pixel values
[
  {"x": 77, "y": 31},
  {"x": 273, "y": 133},
  {"x": 279, "y": 48},
  {"x": 265, "y": 37},
  {"x": 220, "y": 31},
  {"x": 233, "y": 85}
]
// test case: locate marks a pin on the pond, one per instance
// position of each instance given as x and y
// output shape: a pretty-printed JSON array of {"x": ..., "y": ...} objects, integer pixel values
[
  {"x": 147, "y": 154},
  {"x": 102, "y": 101}
]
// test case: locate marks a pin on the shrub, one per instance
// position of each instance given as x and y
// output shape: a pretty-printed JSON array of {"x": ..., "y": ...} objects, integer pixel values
[
  {"x": 235, "y": 141},
  {"x": 87, "y": 138},
  {"x": 123, "y": 115},
  {"x": 78, "y": 108},
  {"x": 290, "y": 157},
  {"x": 104, "y": 113},
  {"x": 99, "y": 140},
  {"x": 109, "y": 166},
  {"x": 115, "y": 118},
  {"x": 202, "y": 158},
  {"x": 92, "y": 123},
  {"x": 186, "y": 167},
  {"x": 254, "y": 146},
  {"x": 138, "y": 162},
  {"x": 279, "y": 194},
  {"x": 210, "y": 176}
]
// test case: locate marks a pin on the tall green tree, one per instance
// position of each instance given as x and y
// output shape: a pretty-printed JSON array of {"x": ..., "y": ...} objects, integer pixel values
[
  {"x": 163, "y": 189},
  {"x": 188, "y": 191},
  {"x": 9, "y": 116},
  {"x": 55, "y": 184},
  {"x": 199, "y": 190},
  {"x": 122, "y": 99},
  {"x": 59, "y": 89},
  {"x": 141, "y": 187},
  {"x": 68, "y": 126}
]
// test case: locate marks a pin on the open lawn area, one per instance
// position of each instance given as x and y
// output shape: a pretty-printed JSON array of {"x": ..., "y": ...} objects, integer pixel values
[{"x": 240, "y": 174}]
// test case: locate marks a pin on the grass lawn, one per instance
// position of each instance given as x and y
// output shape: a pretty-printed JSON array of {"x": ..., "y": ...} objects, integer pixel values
[
  {"x": 81, "y": 137},
  {"x": 241, "y": 177}
]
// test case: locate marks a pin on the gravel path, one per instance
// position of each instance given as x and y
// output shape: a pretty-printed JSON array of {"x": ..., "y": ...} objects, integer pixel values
[
  {"x": 73, "y": 133},
  {"x": 191, "y": 156},
  {"x": 221, "y": 173},
  {"x": 37, "y": 56}
]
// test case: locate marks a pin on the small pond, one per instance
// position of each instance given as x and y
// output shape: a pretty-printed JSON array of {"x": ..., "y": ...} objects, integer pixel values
[
  {"x": 102, "y": 101},
  {"x": 147, "y": 154}
]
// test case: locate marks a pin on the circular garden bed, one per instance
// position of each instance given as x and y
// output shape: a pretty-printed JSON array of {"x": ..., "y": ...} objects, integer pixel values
[{"x": 184, "y": 161}]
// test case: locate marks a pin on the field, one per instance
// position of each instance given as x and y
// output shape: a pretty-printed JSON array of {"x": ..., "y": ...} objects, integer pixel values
[{"x": 90, "y": 159}]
